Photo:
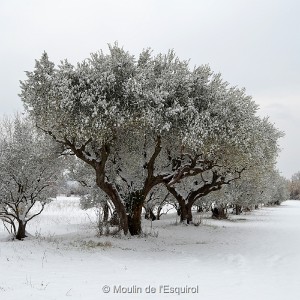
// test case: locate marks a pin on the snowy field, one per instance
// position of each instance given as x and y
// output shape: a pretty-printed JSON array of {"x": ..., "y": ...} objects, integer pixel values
[{"x": 253, "y": 256}]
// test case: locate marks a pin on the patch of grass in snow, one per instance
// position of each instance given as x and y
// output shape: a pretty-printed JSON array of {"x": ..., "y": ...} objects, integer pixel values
[
  {"x": 93, "y": 244},
  {"x": 40, "y": 286},
  {"x": 237, "y": 220},
  {"x": 5, "y": 288},
  {"x": 150, "y": 232},
  {"x": 50, "y": 238},
  {"x": 201, "y": 243}
]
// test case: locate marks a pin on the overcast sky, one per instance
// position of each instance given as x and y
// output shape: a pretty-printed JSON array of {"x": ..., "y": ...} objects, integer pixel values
[{"x": 253, "y": 44}]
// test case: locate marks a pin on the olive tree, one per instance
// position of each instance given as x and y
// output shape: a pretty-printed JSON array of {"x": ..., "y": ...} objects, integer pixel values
[
  {"x": 239, "y": 141},
  {"x": 143, "y": 122},
  {"x": 294, "y": 186},
  {"x": 29, "y": 169},
  {"x": 256, "y": 187}
]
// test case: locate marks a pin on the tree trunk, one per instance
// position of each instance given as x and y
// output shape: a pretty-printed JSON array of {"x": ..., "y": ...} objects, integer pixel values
[
  {"x": 149, "y": 215},
  {"x": 238, "y": 209},
  {"x": 219, "y": 212},
  {"x": 158, "y": 213},
  {"x": 120, "y": 209},
  {"x": 189, "y": 213},
  {"x": 115, "y": 198},
  {"x": 134, "y": 206},
  {"x": 134, "y": 221},
  {"x": 199, "y": 208},
  {"x": 186, "y": 213},
  {"x": 184, "y": 209},
  {"x": 21, "y": 233},
  {"x": 102, "y": 182},
  {"x": 114, "y": 219},
  {"x": 105, "y": 212},
  {"x": 183, "y": 212}
]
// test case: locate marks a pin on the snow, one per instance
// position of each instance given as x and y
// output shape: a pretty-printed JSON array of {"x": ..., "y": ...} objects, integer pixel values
[{"x": 251, "y": 256}]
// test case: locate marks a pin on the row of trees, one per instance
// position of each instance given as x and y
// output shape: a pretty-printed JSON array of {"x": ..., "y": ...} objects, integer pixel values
[
  {"x": 144, "y": 128},
  {"x": 294, "y": 186}
]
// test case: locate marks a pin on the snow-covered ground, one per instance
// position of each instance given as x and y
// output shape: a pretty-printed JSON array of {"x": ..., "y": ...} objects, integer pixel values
[{"x": 254, "y": 256}]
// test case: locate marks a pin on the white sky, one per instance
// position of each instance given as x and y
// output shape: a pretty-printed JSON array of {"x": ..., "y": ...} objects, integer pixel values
[{"x": 254, "y": 44}]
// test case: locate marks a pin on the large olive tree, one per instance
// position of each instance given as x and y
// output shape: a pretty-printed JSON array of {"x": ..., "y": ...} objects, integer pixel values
[{"x": 141, "y": 123}]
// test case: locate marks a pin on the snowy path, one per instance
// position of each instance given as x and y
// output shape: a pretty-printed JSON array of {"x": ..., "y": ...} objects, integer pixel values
[{"x": 255, "y": 256}]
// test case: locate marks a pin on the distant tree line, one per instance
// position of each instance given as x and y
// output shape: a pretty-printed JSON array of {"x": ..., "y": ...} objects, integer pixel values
[{"x": 294, "y": 186}]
